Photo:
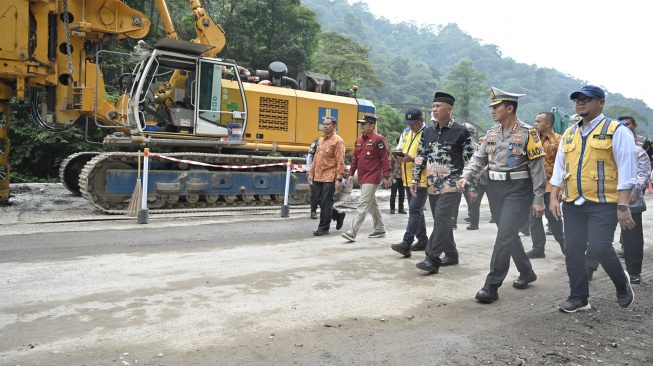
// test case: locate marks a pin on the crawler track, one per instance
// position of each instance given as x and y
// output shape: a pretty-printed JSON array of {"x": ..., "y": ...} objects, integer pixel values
[{"x": 93, "y": 183}]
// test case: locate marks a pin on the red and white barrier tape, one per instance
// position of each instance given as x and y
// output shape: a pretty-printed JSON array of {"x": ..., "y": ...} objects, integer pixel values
[{"x": 293, "y": 166}]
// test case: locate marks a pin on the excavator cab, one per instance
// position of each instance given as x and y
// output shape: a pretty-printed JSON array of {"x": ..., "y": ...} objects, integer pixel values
[{"x": 177, "y": 93}]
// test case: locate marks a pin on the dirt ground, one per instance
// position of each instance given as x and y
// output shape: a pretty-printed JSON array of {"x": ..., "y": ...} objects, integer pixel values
[{"x": 81, "y": 288}]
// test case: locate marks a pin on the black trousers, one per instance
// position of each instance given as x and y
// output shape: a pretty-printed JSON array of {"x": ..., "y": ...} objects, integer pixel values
[
  {"x": 510, "y": 204},
  {"x": 633, "y": 242},
  {"x": 475, "y": 208},
  {"x": 323, "y": 193},
  {"x": 441, "y": 239},
  {"x": 537, "y": 228},
  {"x": 454, "y": 214},
  {"x": 397, "y": 186},
  {"x": 314, "y": 201}
]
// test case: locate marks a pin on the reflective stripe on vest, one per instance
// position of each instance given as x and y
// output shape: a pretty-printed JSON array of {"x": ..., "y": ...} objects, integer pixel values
[
  {"x": 410, "y": 147},
  {"x": 590, "y": 167}
]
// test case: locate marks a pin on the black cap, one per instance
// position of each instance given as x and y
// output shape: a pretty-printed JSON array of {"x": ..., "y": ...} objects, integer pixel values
[
  {"x": 412, "y": 116},
  {"x": 444, "y": 97},
  {"x": 368, "y": 118}
]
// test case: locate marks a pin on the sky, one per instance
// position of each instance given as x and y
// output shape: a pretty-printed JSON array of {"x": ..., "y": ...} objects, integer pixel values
[{"x": 606, "y": 43}]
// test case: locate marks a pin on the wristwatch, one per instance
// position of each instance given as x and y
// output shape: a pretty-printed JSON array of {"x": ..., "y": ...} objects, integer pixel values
[
  {"x": 388, "y": 177},
  {"x": 622, "y": 207}
]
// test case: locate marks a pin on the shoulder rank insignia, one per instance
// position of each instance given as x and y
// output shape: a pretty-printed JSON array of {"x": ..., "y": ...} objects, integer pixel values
[{"x": 534, "y": 148}]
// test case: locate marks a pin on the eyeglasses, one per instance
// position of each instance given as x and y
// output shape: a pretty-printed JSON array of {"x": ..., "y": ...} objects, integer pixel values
[{"x": 584, "y": 100}]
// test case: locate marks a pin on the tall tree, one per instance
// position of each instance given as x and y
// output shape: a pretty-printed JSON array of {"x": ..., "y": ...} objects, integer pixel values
[
  {"x": 467, "y": 85},
  {"x": 260, "y": 32},
  {"x": 389, "y": 124},
  {"x": 344, "y": 60}
]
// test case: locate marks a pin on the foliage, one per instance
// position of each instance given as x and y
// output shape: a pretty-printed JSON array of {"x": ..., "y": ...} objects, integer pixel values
[
  {"x": 263, "y": 31},
  {"x": 399, "y": 49},
  {"x": 345, "y": 61},
  {"x": 35, "y": 154},
  {"x": 467, "y": 85},
  {"x": 616, "y": 111},
  {"x": 389, "y": 124}
]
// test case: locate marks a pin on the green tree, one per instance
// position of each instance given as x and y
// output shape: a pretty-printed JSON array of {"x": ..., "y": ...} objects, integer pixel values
[
  {"x": 35, "y": 154},
  {"x": 260, "y": 32},
  {"x": 616, "y": 111},
  {"x": 467, "y": 85},
  {"x": 344, "y": 60},
  {"x": 389, "y": 124}
]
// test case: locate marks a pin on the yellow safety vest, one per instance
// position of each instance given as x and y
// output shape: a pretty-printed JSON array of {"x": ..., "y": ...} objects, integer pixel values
[
  {"x": 410, "y": 144},
  {"x": 590, "y": 167}
]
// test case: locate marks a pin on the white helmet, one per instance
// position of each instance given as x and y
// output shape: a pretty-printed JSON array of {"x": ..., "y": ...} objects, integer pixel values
[{"x": 471, "y": 128}]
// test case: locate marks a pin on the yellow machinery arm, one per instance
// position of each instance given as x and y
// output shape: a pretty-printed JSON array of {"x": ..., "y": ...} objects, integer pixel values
[{"x": 44, "y": 47}]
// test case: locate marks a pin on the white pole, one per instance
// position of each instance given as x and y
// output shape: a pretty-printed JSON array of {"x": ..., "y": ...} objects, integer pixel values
[
  {"x": 144, "y": 213},
  {"x": 285, "y": 210}
]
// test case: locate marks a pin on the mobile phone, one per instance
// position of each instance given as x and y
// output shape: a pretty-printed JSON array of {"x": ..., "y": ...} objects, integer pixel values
[{"x": 398, "y": 153}]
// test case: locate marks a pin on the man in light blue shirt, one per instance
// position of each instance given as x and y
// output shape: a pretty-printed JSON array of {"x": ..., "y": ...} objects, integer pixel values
[{"x": 596, "y": 167}]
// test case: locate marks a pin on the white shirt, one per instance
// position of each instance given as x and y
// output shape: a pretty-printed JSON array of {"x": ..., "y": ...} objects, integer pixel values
[{"x": 623, "y": 149}]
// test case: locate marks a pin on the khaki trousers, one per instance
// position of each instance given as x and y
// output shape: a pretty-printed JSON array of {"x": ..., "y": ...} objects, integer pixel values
[{"x": 367, "y": 203}]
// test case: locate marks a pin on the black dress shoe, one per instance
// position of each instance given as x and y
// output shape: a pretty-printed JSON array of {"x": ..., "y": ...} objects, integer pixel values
[
  {"x": 340, "y": 221},
  {"x": 468, "y": 219},
  {"x": 313, "y": 215},
  {"x": 320, "y": 232},
  {"x": 472, "y": 227},
  {"x": 449, "y": 261},
  {"x": 535, "y": 254},
  {"x": 635, "y": 279},
  {"x": 419, "y": 246},
  {"x": 402, "y": 211},
  {"x": 548, "y": 231},
  {"x": 487, "y": 295},
  {"x": 428, "y": 266},
  {"x": 523, "y": 280},
  {"x": 525, "y": 230},
  {"x": 402, "y": 248},
  {"x": 392, "y": 212},
  {"x": 492, "y": 220}
]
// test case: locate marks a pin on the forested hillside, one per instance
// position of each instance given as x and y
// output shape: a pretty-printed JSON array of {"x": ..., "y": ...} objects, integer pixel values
[{"x": 414, "y": 61}]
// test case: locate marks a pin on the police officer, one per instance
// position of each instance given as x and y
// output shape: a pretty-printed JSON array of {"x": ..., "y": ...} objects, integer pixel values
[{"x": 516, "y": 189}]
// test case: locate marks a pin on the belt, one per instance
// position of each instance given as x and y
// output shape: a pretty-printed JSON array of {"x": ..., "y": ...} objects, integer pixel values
[{"x": 508, "y": 175}]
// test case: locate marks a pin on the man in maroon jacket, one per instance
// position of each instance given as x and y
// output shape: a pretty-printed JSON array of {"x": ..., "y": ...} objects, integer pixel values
[{"x": 372, "y": 160}]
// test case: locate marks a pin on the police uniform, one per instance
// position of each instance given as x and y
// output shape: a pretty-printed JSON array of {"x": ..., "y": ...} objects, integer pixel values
[{"x": 517, "y": 181}]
